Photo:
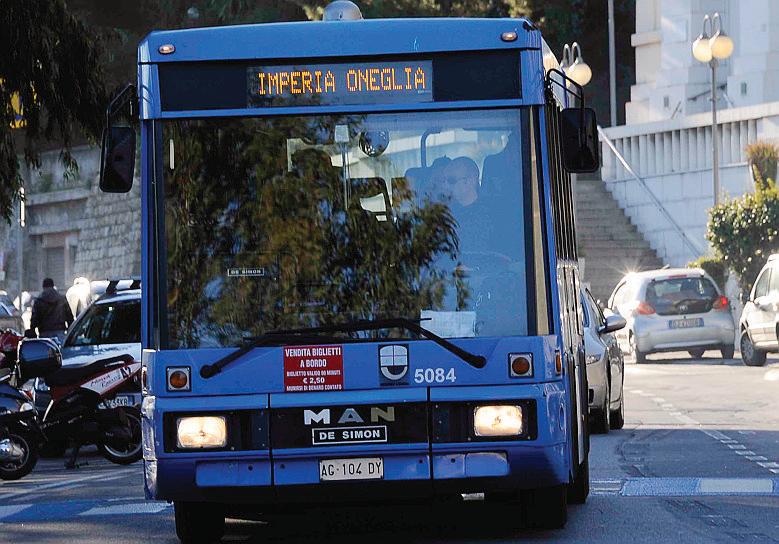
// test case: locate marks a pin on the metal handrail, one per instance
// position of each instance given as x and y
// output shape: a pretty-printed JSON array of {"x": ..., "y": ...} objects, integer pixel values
[{"x": 690, "y": 244}]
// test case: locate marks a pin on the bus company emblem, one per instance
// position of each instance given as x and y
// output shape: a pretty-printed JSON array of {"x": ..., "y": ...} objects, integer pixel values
[
  {"x": 325, "y": 416},
  {"x": 393, "y": 364}
]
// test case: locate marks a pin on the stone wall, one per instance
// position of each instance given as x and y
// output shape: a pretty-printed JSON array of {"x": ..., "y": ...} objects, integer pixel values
[
  {"x": 109, "y": 243},
  {"x": 72, "y": 229}
]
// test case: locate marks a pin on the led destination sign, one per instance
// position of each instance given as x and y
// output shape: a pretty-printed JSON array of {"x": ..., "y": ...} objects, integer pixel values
[
  {"x": 414, "y": 80},
  {"x": 348, "y": 83}
]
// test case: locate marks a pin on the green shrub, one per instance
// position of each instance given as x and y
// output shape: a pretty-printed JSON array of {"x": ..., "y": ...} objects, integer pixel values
[
  {"x": 745, "y": 231},
  {"x": 714, "y": 267},
  {"x": 763, "y": 157}
]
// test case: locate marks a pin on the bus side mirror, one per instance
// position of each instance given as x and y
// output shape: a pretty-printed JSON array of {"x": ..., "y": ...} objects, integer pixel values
[
  {"x": 117, "y": 158},
  {"x": 579, "y": 137},
  {"x": 117, "y": 161}
]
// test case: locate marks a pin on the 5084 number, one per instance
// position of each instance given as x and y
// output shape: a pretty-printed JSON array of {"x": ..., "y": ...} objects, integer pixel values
[{"x": 434, "y": 375}]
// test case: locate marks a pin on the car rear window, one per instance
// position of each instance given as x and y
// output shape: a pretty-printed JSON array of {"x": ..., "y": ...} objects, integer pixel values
[{"x": 676, "y": 296}]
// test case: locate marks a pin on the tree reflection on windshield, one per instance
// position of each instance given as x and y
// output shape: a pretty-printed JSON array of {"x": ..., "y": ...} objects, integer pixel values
[{"x": 302, "y": 221}]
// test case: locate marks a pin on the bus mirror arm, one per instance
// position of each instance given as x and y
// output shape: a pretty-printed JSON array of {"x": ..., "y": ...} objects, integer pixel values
[{"x": 117, "y": 158}]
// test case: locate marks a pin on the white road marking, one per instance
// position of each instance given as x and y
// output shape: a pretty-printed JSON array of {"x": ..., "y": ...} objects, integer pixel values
[
  {"x": 127, "y": 509},
  {"x": 716, "y": 435},
  {"x": 736, "y": 485},
  {"x": 63, "y": 484},
  {"x": 11, "y": 509},
  {"x": 694, "y": 487},
  {"x": 733, "y": 445}
]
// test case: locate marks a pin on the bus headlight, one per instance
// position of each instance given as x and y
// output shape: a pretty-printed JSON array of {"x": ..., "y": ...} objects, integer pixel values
[
  {"x": 497, "y": 421},
  {"x": 197, "y": 432}
]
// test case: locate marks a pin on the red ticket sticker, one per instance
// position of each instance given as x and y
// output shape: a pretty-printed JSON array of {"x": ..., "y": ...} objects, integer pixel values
[{"x": 313, "y": 368}]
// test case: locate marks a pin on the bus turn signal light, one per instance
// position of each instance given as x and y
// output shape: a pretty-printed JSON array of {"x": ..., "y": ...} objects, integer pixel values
[
  {"x": 558, "y": 363},
  {"x": 178, "y": 379},
  {"x": 521, "y": 365}
]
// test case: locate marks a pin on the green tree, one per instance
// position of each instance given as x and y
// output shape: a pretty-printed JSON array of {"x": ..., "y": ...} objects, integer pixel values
[
  {"x": 50, "y": 63},
  {"x": 745, "y": 231}
]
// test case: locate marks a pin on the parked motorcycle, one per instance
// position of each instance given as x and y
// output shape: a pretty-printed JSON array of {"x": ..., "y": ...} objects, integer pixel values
[{"x": 73, "y": 413}]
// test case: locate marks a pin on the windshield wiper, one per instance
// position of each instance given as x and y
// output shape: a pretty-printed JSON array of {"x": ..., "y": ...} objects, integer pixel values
[
  {"x": 272, "y": 338},
  {"x": 309, "y": 335},
  {"x": 476, "y": 361}
]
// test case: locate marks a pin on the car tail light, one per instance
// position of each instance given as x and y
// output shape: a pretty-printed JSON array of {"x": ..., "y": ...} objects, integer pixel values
[
  {"x": 721, "y": 303},
  {"x": 644, "y": 308}
]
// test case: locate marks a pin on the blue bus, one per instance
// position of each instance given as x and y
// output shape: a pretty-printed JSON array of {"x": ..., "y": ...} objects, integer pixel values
[{"x": 359, "y": 263}]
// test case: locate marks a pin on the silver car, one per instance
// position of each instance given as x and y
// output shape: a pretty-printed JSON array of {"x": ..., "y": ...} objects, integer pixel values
[
  {"x": 759, "y": 323},
  {"x": 677, "y": 309},
  {"x": 605, "y": 366}
]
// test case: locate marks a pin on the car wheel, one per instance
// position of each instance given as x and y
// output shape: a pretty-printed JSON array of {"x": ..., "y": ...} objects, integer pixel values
[
  {"x": 601, "y": 421},
  {"x": 638, "y": 356},
  {"x": 199, "y": 523},
  {"x": 728, "y": 352},
  {"x": 618, "y": 415},
  {"x": 749, "y": 353},
  {"x": 696, "y": 353}
]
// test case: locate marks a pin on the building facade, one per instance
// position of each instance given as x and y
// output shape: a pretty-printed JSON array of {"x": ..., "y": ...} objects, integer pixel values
[
  {"x": 659, "y": 164},
  {"x": 70, "y": 229}
]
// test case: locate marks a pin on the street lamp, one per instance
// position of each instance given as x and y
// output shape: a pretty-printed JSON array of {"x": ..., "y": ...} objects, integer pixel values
[
  {"x": 711, "y": 50},
  {"x": 574, "y": 66}
]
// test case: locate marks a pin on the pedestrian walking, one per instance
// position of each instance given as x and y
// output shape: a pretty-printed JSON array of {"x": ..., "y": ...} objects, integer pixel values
[{"x": 51, "y": 313}]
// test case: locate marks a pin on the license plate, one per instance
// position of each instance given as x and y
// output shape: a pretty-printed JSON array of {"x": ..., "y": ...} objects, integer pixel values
[
  {"x": 120, "y": 400},
  {"x": 685, "y": 323},
  {"x": 364, "y": 468}
]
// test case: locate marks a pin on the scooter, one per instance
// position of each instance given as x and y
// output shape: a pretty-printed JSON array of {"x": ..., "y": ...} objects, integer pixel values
[{"x": 73, "y": 413}]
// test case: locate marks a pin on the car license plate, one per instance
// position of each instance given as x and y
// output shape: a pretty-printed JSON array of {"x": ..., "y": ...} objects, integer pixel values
[
  {"x": 120, "y": 400},
  {"x": 364, "y": 468},
  {"x": 685, "y": 323}
]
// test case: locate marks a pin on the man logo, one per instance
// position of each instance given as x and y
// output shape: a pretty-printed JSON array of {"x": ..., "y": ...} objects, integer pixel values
[{"x": 393, "y": 364}]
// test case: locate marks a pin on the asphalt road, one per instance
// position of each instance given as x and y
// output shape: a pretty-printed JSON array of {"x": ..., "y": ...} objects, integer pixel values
[{"x": 697, "y": 461}]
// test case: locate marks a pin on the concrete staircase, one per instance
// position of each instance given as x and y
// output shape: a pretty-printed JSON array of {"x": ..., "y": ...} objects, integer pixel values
[{"x": 609, "y": 243}]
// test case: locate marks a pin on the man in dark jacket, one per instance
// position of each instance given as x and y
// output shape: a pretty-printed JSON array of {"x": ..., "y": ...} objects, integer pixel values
[{"x": 51, "y": 313}]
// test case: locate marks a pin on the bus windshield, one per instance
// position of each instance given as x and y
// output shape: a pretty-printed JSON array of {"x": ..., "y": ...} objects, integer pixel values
[{"x": 300, "y": 221}]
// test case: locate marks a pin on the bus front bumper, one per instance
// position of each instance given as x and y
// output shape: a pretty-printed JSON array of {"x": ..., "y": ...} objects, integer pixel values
[{"x": 409, "y": 471}]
